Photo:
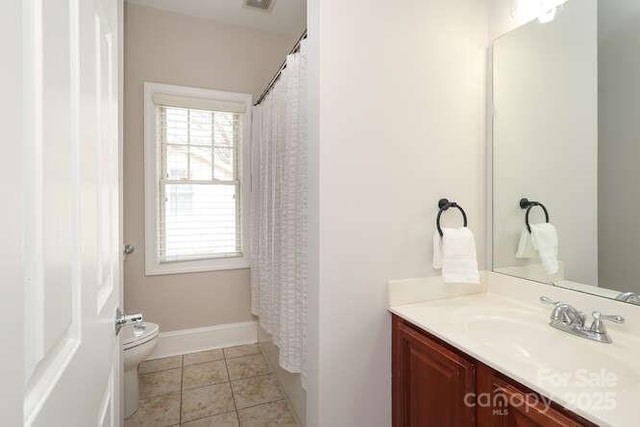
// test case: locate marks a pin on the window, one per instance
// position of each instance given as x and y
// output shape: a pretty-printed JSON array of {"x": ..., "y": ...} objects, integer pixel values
[{"x": 196, "y": 195}]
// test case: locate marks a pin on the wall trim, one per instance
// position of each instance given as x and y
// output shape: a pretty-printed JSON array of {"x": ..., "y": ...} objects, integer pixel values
[{"x": 185, "y": 341}]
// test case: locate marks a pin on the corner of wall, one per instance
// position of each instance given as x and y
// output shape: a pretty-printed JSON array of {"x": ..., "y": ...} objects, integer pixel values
[{"x": 291, "y": 384}]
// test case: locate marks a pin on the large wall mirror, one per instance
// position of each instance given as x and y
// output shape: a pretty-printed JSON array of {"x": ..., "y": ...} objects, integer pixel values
[{"x": 566, "y": 149}]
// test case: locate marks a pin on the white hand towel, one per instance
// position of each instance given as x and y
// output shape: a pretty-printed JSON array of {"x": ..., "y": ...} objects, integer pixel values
[
  {"x": 544, "y": 238},
  {"x": 437, "y": 251},
  {"x": 525, "y": 246},
  {"x": 455, "y": 253}
]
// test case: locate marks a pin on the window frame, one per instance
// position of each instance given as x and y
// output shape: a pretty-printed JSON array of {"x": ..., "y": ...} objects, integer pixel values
[{"x": 153, "y": 266}]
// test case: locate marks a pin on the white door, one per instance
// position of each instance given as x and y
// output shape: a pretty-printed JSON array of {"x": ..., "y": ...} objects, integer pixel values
[{"x": 68, "y": 213}]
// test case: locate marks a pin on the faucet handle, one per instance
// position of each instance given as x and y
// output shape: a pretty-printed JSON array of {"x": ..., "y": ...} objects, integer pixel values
[
  {"x": 548, "y": 300},
  {"x": 615, "y": 318},
  {"x": 598, "y": 326}
]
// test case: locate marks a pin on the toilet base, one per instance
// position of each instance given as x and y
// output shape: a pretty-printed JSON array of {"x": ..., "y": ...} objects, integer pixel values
[
  {"x": 131, "y": 397},
  {"x": 138, "y": 342}
]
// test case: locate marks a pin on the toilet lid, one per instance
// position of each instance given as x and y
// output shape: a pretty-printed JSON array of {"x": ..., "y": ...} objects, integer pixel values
[{"x": 134, "y": 335}]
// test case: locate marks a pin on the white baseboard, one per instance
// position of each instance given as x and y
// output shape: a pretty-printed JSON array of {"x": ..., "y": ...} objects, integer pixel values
[{"x": 199, "y": 339}]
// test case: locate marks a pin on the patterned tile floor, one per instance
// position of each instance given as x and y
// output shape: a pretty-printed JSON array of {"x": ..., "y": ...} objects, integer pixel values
[{"x": 226, "y": 387}]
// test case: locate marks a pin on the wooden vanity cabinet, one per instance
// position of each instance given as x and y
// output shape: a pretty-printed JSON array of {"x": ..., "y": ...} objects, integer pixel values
[
  {"x": 429, "y": 381},
  {"x": 509, "y": 404},
  {"x": 437, "y": 385}
]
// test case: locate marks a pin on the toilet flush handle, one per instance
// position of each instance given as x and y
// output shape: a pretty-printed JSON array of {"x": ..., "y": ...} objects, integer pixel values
[{"x": 122, "y": 319}]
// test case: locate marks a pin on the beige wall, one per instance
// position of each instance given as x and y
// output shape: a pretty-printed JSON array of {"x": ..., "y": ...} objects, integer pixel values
[{"x": 175, "y": 49}]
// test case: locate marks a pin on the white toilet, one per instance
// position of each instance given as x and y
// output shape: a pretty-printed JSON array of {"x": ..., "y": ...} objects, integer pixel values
[{"x": 138, "y": 341}]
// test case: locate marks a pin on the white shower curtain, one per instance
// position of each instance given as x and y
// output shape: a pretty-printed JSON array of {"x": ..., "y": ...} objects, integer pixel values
[{"x": 278, "y": 250}]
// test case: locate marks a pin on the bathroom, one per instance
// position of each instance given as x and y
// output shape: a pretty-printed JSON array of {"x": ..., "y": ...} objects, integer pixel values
[{"x": 481, "y": 124}]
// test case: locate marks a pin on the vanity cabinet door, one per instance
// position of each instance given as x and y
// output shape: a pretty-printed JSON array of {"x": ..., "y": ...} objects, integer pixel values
[
  {"x": 505, "y": 404},
  {"x": 430, "y": 382}
]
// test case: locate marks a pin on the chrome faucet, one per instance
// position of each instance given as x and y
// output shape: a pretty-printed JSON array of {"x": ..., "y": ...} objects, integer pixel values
[
  {"x": 565, "y": 313},
  {"x": 568, "y": 319},
  {"x": 630, "y": 297}
]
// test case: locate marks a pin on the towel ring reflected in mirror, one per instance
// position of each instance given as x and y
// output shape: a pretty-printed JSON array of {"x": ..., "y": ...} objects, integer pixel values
[
  {"x": 530, "y": 204},
  {"x": 445, "y": 204}
]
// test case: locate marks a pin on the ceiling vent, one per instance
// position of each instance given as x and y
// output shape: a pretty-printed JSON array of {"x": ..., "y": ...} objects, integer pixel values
[{"x": 259, "y": 4}]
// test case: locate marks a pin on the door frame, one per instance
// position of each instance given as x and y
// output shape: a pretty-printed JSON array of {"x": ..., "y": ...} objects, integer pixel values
[
  {"x": 11, "y": 289},
  {"x": 119, "y": 378}
]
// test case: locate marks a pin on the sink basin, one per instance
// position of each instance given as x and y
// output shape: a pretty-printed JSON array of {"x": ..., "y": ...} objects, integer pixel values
[{"x": 574, "y": 361}]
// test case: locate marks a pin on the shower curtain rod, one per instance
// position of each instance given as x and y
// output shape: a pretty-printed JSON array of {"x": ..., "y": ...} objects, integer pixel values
[{"x": 274, "y": 79}]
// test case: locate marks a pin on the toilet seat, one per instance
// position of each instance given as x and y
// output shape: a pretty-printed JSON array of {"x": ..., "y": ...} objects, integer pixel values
[{"x": 138, "y": 334}]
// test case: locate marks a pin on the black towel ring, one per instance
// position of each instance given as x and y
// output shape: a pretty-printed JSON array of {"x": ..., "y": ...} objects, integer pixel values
[
  {"x": 528, "y": 205},
  {"x": 445, "y": 204}
]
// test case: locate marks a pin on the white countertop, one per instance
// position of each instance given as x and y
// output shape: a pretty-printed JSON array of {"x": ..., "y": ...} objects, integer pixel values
[{"x": 510, "y": 333}]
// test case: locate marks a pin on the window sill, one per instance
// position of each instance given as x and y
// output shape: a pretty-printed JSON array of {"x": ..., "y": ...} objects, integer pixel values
[{"x": 201, "y": 266}]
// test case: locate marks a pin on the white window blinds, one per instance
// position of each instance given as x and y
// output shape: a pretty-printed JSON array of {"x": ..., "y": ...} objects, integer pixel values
[{"x": 199, "y": 200}]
